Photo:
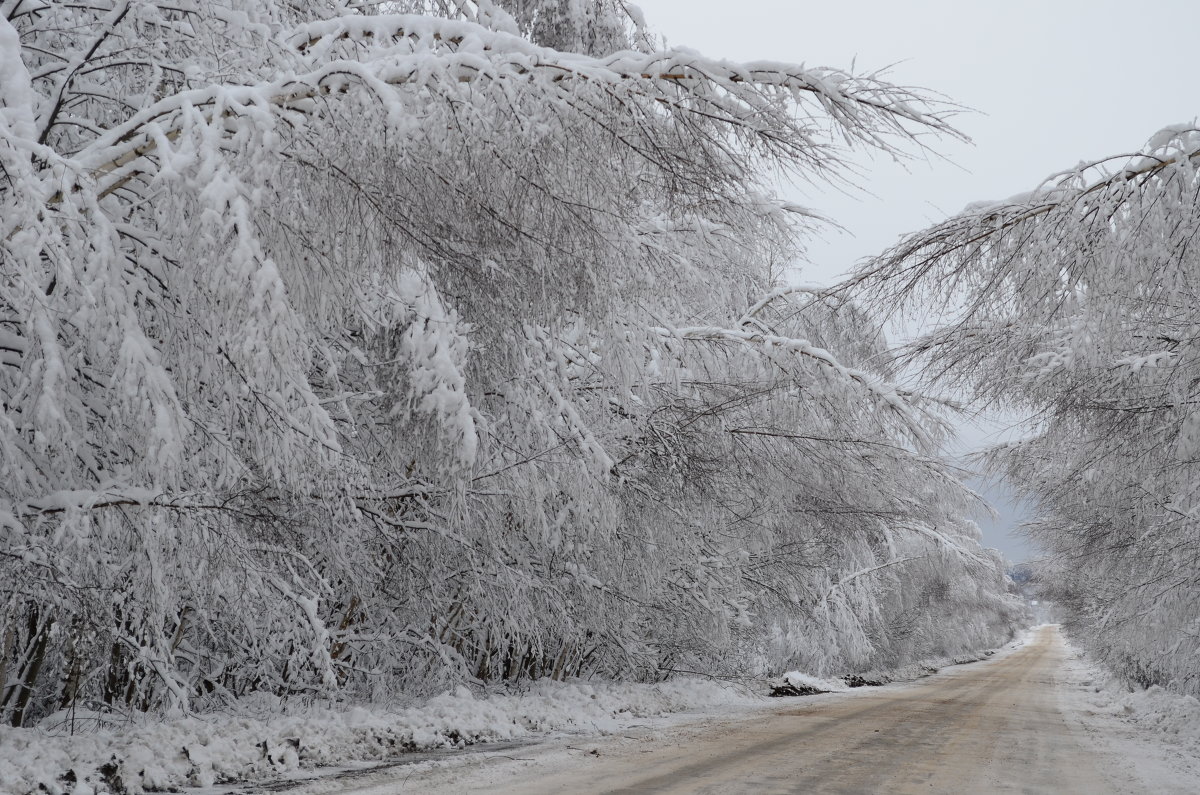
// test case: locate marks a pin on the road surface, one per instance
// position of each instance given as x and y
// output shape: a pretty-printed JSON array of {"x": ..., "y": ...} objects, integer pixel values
[{"x": 993, "y": 726}]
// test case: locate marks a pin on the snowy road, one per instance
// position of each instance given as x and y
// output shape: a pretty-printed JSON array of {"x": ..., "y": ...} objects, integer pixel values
[{"x": 1009, "y": 724}]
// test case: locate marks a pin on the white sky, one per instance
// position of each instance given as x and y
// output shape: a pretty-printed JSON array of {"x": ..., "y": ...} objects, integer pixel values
[{"x": 1049, "y": 83}]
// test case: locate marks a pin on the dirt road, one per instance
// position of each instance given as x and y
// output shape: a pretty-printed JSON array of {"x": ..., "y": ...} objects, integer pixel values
[{"x": 993, "y": 726}]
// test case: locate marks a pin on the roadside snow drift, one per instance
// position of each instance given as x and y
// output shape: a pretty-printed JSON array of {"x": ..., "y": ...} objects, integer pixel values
[{"x": 203, "y": 751}]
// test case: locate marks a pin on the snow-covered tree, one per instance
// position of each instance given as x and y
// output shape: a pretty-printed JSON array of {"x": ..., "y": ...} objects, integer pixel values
[
  {"x": 1079, "y": 303},
  {"x": 348, "y": 347}
]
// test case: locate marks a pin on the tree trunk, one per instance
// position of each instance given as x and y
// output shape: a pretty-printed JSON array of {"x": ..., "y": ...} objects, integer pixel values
[{"x": 33, "y": 667}]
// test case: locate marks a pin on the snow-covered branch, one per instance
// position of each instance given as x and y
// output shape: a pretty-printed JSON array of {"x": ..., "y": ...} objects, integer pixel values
[{"x": 886, "y": 394}]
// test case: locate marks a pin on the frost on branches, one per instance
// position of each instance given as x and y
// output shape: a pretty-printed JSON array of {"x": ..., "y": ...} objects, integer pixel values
[
  {"x": 1079, "y": 302},
  {"x": 345, "y": 351}
]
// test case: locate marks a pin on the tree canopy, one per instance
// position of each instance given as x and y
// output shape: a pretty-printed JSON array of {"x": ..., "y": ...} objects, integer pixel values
[
  {"x": 1078, "y": 303},
  {"x": 348, "y": 347}
]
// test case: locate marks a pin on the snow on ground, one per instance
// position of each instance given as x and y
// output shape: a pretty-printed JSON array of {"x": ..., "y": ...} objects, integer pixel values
[
  {"x": 202, "y": 750},
  {"x": 1149, "y": 730},
  {"x": 259, "y": 744}
]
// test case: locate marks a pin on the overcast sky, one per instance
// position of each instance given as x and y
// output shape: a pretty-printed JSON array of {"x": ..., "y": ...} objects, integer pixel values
[{"x": 1048, "y": 83}]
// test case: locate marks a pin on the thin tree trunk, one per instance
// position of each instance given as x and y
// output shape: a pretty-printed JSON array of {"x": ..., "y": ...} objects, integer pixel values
[
  {"x": 112, "y": 682},
  {"x": 6, "y": 652},
  {"x": 338, "y": 648},
  {"x": 32, "y": 668},
  {"x": 74, "y": 674}
]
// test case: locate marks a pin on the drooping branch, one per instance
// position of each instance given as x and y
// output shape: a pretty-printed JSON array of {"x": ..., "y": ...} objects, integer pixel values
[
  {"x": 880, "y": 390},
  {"x": 441, "y": 53},
  {"x": 972, "y": 234}
]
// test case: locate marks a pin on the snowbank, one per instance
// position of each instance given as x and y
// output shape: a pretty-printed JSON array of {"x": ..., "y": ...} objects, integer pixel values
[
  {"x": 153, "y": 755},
  {"x": 1172, "y": 717}
]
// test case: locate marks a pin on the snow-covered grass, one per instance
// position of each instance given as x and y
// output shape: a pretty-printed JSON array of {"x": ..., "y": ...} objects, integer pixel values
[
  {"x": 1171, "y": 717},
  {"x": 1175, "y": 717},
  {"x": 153, "y": 755},
  {"x": 1154, "y": 733}
]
